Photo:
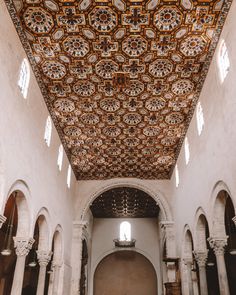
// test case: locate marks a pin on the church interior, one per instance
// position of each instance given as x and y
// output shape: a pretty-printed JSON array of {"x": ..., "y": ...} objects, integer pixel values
[{"x": 117, "y": 141}]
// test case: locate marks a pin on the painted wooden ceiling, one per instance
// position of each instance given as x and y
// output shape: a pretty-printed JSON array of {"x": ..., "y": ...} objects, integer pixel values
[
  {"x": 124, "y": 202},
  {"x": 120, "y": 78}
]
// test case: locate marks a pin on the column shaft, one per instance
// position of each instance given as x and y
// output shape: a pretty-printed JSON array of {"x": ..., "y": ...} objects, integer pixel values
[
  {"x": 218, "y": 245},
  {"x": 56, "y": 279},
  {"x": 41, "y": 280},
  {"x": 18, "y": 276},
  {"x": 190, "y": 281},
  {"x": 23, "y": 246},
  {"x": 201, "y": 258},
  {"x": 203, "y": 280},
  {"x": 43, "y": 258},
  {"x": 222, "y": 275}
]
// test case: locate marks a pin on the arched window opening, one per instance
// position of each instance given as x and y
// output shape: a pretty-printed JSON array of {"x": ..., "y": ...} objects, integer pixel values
[
  {"x": 200, "y": 118},
  {"x": 224, "y": 63},
  {"x": 60, "y": 157},
  {"x": 125, "y": 231},
  {"x": 176, "y": 176},
  {"x": 24, "y": 77},
  {"x": 68, "y": 180},
  {"x": 186, "y": 150},
  {"x": 48, "y": 131}
]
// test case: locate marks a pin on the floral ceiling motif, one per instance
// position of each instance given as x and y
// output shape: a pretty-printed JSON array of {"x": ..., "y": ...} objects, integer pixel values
[{"x": 81, "y": 53}]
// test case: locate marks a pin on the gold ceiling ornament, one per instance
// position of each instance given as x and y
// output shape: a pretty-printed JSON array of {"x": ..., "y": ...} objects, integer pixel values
[
  {"x": 121, "y": 81},
  {"x": 124, "y": 74}
]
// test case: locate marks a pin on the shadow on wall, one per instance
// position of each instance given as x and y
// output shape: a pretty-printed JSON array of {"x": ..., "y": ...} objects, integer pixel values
[{"x": 125, "y": 272}]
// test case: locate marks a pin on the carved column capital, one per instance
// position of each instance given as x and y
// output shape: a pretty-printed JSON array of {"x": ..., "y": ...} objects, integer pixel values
[
  {"x": 2, "y": 220},
  {"x": 218, "y": 245},
  {"x": 57, "y": 263},
  {"x": 201, "y": 258},
  {"x": 23, "y": 245},
  {"x": 44, "y": 257},
  {"x": 234, "y": 220},
  {"x": 188, "y": 261},
  {"x": 79, "y": 229}
]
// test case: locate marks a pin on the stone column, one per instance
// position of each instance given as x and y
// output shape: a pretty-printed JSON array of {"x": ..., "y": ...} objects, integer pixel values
[
  {"x": 201, "y": 258},
  {"x": 43, "y": 259},
  {"x": 218, "y": 245},
  {"x": 76, "y": 255},
  {"x": 56, "y": 265},
  {"x": 23, "y": 246},
  {"x": 169, "y": 236},
  {"x": 2, "y": 220},
  {"x": 189, "y": 263}
]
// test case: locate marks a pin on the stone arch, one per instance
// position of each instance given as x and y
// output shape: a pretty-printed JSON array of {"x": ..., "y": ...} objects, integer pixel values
[
  {"x": 113, "y": 250},
  {"x": 42, "y": 218},
  {"x": 187, "y": 248},
  {"x": 217, "y": 205},
  {"x": 58, "y": 244},
  {"x": 165, "y": 210},
  {"x": 218, "y": 225},
  {"x": 22, "y": 202},
  {"x": 123, "y": 253},
  {"x": 200, "y": 231}
]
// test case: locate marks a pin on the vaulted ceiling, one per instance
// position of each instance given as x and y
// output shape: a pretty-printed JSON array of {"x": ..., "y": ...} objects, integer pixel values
[
  {"x": 120, "y": 78},
  {"x": 124, "y": 202}
]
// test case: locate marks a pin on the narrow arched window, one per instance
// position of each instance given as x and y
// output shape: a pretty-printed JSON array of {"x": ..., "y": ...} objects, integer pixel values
[
  {"x": 186, "y": 149},
  {"x": 68, "y": 180},
  {"x": 176, "y": 176},
  {"x": 60, "y": 157},
  {"x": 24, "y": 77},
  {"x": 125, "y": 231},
  {"x": 200, "y": 118},
  {"x": 48, "y": 131},
  {"x": 224, "y": 63}
]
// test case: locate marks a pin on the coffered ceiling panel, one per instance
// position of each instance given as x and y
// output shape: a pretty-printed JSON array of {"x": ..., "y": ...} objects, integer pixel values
[
  {"x": 120, "y": 78},
  {"x": 124, "y": 202}
]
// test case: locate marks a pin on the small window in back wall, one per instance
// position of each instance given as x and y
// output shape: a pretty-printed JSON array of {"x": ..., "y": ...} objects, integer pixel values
[
  {"x": 48, "y": 131},
  {"x": 24, "y": 77},
  {"x": 125, "y": 231}
]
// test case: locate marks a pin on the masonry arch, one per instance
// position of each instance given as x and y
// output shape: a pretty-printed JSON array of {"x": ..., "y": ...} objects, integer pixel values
[
  {"x": 165, "y": 211},
  {"x": 127, "y": 266}
]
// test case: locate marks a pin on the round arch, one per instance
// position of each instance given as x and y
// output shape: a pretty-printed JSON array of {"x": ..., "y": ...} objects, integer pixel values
[
  {"x": 58, "y": 243},
  {"x": 144, "y": 275},
  {"x": 165, "y": 211},
  {"x": 44, "y": 223},
  {"x": 200, "y": 229},
  {"x": 218, "y": 187}
]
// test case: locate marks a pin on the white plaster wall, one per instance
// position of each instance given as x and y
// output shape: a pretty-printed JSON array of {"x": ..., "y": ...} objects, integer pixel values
[
  {"x": 144, "y": 230},
  {"x": 212, "y": 163},
  {"x": 23, "y": 153}
]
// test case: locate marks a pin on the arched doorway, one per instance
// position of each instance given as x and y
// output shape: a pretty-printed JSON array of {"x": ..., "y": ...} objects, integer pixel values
[
  {"x": 230, "y": 251},
  {"x": 8, "y": 259},
  {"x": 125, "y": 272}
]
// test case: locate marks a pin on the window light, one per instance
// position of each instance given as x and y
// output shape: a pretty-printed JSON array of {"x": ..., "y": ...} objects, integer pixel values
[
  {"x": 200, "y": 118},
  {"x": 186, "y": 149},
  {"x": 68, "y": 180},
  {"x": 176, "y": 176},
  {"x": 48, "y": 131},
  {"x": 60, "y": 157},
  {"x": 24, "y": 77},
  {"x": 125, "y": 231},
  {"x": 224, "y": 63}
]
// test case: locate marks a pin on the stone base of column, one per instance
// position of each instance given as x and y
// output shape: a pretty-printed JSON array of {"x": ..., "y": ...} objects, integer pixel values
[{"x": 173, "y": 288}]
